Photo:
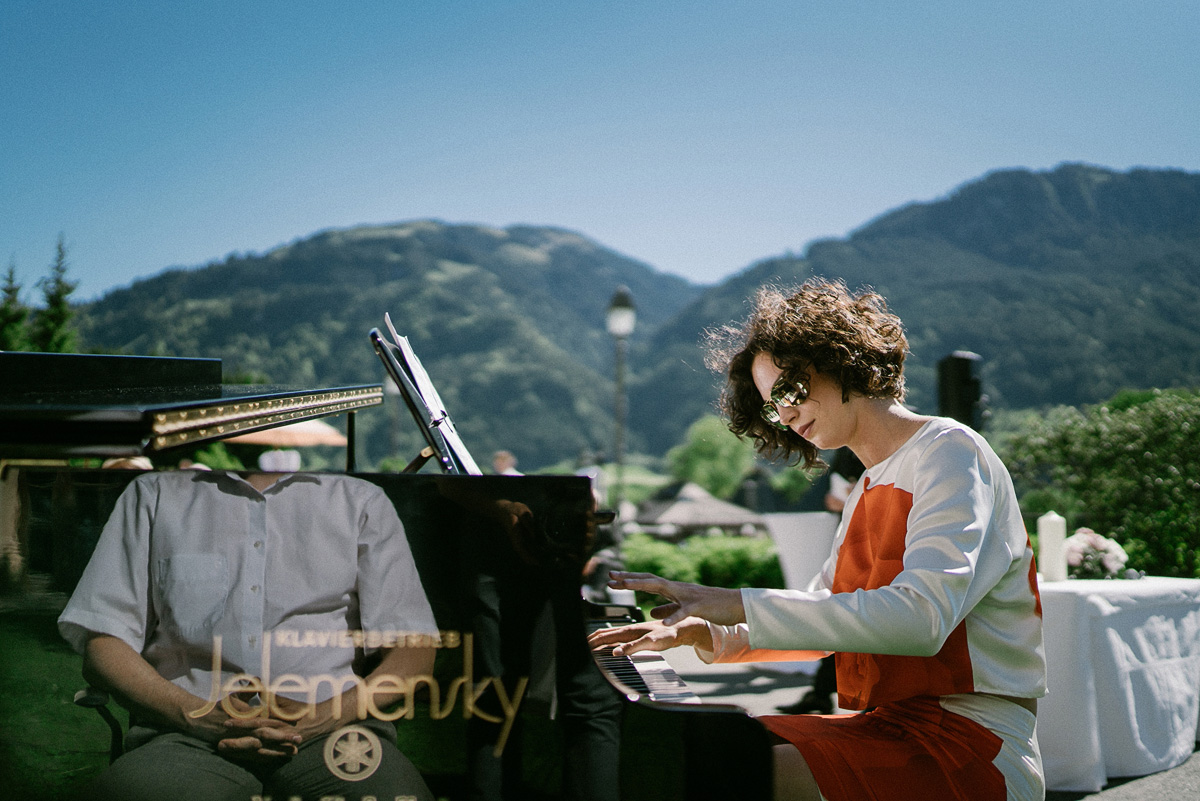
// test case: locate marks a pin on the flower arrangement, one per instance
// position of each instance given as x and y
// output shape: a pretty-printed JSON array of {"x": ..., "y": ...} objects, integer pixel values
[{"x": 1092, "y": 556}]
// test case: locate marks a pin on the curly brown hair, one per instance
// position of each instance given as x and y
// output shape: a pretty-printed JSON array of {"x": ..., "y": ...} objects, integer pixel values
[{"x": 820, "y": 326}]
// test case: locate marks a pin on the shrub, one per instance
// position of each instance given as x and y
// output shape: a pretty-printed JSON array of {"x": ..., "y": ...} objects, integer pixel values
[
  {"x": 735, "y": 561},
  {"x": 642, "y": 553},
  {"x": 722, "y": 561},
  {"x": 1128, "y": 470}
]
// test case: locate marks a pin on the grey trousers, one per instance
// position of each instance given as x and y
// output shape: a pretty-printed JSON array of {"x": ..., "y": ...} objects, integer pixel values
[{"x": 174, "y": 767}]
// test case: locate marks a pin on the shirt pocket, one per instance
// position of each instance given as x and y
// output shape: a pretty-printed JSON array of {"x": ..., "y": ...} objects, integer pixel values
[{"x": 190, "y": 590}]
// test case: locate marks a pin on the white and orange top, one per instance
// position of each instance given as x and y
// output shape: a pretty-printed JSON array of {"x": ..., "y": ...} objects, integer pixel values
[{"x": 931, "y": 588}]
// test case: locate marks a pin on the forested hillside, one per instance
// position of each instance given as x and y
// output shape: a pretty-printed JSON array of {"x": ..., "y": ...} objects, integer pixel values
[
  {"x": 1072, "y": 284},
  {"x": 509, "y": 323}
]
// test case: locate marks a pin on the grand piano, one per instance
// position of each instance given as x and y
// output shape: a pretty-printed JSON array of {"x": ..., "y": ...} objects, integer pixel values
[{"x": 569, "y": 723}]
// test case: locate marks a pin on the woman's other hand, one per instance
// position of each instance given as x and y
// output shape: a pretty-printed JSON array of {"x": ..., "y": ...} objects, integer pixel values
[{"x": 714, "y": 604}]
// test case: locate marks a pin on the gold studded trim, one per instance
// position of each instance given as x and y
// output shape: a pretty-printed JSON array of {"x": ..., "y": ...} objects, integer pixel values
[{"x": 170, "y": 429}]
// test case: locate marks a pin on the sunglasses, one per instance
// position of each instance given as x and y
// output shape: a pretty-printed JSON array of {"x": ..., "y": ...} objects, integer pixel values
[{"x": 786, "y": 392}]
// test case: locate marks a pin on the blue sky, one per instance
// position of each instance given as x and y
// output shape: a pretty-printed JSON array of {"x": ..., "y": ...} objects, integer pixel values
[{"x": 695, "y": 136}]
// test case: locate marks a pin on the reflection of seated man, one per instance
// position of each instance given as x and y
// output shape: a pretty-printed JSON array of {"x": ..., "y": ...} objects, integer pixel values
[
  {"x": 536, "y": 562},
  {"x": 264, "y": 575}
]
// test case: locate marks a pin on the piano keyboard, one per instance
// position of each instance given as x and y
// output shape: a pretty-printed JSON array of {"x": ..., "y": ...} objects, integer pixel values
[{"x": 645, "y": 673}]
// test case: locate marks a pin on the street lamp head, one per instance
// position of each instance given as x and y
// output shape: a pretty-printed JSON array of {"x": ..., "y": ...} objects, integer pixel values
[{"x": 622, "y": 315}]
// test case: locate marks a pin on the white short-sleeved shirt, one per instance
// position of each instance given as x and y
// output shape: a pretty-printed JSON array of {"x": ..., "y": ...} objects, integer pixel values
[{"x": 188, "y": 556}]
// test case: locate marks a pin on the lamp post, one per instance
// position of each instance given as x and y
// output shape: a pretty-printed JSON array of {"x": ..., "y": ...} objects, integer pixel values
[{"x": 621, "y": 317}]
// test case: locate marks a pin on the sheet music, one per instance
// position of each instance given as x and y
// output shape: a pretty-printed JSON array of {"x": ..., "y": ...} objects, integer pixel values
[
  {"x": 439, "y": 417},
  {"x": 416, "y": 371}
]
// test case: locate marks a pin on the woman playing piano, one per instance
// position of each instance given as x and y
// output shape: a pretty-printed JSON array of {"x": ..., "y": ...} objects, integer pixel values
[{"x": 929, "y": 600}]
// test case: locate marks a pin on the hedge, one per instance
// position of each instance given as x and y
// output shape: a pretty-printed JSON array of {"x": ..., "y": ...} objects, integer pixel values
[
  {"x": 1129, "y": 469},
  {"x": 723, "y": 561}
]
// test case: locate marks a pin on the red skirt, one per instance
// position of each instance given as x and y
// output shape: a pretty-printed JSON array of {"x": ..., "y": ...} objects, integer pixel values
[{"x": 912, "y": 750}]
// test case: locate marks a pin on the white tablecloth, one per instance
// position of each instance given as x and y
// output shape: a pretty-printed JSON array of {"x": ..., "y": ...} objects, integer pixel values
[{"x": 1124, "y": 678}]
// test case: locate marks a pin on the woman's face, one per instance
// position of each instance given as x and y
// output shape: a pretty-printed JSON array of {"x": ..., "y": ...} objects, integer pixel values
[{"x": 821, "y": 418}]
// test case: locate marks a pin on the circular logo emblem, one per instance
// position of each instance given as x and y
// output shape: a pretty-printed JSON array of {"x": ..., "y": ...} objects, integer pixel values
[{"x": 353, "y": 753}]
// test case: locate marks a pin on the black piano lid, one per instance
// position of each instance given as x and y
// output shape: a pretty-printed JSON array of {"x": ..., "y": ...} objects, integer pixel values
[
  {"x": 135, "y": 422},
  {"x": 69, "y": 405}
]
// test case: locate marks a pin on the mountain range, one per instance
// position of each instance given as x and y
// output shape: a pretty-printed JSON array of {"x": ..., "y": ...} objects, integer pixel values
[{"x": 1071, "y": 284}]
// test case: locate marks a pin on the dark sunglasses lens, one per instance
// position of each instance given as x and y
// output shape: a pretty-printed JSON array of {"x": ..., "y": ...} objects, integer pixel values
[
  {"x": 792, "y": 397},
  {"x": 771, "y": 415},
  {"x": 789, "y": 393},
  {"x": 784, "y": 393}
]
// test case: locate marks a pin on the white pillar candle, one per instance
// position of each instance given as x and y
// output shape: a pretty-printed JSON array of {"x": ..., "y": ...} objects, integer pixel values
[{"x": 1052, "y": 551}]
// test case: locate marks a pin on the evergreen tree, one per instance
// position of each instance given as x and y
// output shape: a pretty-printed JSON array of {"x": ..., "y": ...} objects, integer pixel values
[
  {"x": 13, "y": 313},
  {"x": 52, "y": 331}
]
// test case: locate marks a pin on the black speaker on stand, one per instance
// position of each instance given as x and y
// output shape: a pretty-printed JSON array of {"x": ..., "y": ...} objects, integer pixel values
[{"x": 959, "y": 393}]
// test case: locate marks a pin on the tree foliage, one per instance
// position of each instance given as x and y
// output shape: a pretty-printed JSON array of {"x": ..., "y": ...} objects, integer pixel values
[
  {"x": 13, "y": 313},
  {"x": 792, "y": 484},
  {"x": 712, "y": 456},
  {"x": 50, "y": 329},
  {"x": 1127, "y": 469}
]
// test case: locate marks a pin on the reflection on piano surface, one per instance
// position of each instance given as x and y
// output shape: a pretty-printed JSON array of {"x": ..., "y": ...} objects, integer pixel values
[
  {"x": 675, "y": 746},
  {"x": 500, "y": 559}
]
